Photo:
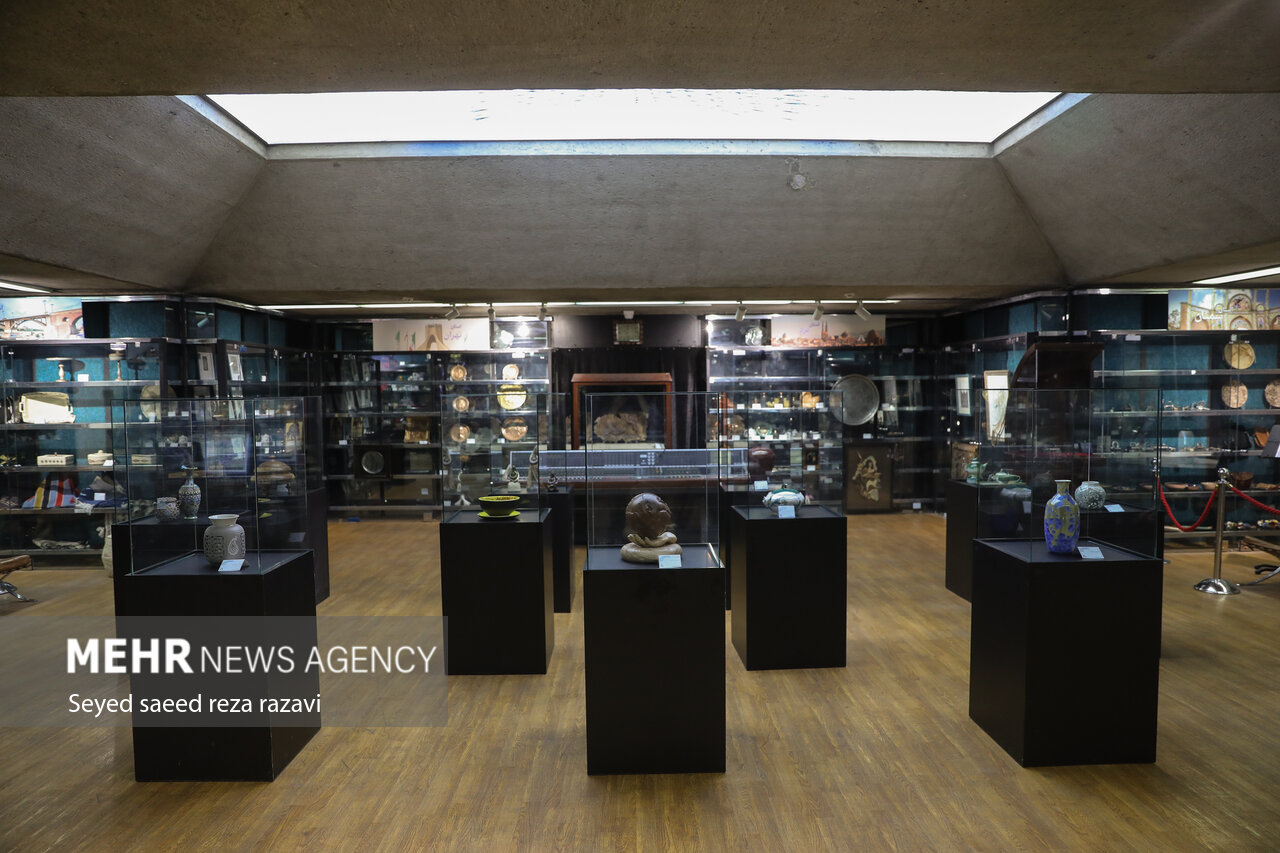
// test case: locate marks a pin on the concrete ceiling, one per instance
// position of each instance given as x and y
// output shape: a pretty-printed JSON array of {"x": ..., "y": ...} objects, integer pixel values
[{"x": 142, "y": 194}]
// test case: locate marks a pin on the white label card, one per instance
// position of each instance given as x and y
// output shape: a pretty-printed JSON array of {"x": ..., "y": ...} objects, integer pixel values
[
  {"x": 866, "y": 435},
  {"x": 471, "y": 441},
  {"x": 1089, "y": 552},
  {"x": 786, "y": 512},
  {"x": 342, "y": 442},
  {"x": 99, "y": 496},
  {"x": 1113, "y": 508},
  {"x": 110, "y": 463},
  {"x": 669, "y": 561},
  {"x": 82, "y": 377},
  {"x": 811, "y": 467},
  {"x": 231, "y": 565},
  {"x": 424, "y": 442},
  {"x": 760, "y": 485}
]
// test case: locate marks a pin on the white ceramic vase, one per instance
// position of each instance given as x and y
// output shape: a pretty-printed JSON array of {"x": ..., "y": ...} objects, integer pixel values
[{"x": 223, "y": 539}]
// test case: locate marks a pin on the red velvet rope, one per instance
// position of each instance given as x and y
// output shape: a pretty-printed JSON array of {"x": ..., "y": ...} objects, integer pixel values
[
  {"x": 1256, "y": 503},
  {"x": 1169, "y": 512}
]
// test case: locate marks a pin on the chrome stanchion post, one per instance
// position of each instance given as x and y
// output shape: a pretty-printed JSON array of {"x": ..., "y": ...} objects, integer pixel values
[{"x": 1216, "y": 585}]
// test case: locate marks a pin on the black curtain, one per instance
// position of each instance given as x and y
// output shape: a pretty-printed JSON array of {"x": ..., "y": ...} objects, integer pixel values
[{"x": 687, "y": 366}]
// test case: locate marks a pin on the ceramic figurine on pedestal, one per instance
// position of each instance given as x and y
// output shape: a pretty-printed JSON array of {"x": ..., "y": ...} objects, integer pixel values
[
  {"x": 648, "y": 518},
  {"x": 1090, "y": 495},
  {"x": 223, "y": 539},
  {"x": 1061, "y": 521},
  {"x": 189, "y": 494}
]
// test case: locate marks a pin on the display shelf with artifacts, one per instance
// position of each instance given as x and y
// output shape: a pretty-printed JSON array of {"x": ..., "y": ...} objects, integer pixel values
[
  {"x": 61, "y": 481},
  {"x": 491, "y": 446},
  {"x": 886, "y": 394},
  {"x": 382, "y": 446},
  {"x": 653, "y": 580},
  {"x": 1219, "y": 397},
  {"x": 1014, "y": 489},
  {"x": 785, "y": 438},
  {"x": 493, "y": 418}
]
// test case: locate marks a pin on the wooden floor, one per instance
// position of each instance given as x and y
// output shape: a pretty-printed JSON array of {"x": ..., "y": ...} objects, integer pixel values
[{"x": 880, "y": 755}]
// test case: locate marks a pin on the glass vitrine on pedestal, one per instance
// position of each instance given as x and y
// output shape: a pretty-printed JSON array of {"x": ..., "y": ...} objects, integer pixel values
[{"x": 653, "y": 594}]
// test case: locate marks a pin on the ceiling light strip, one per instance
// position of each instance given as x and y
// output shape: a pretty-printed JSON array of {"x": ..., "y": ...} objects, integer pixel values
[{"x": 1240, "y": 276}]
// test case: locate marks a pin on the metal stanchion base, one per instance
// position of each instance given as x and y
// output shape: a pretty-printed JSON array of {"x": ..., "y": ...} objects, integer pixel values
[{"x": 1218, "y": 586}]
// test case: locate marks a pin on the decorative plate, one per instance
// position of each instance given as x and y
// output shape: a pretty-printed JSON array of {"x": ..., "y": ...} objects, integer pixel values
[
  {"x": 514, "y": 429},
  {"x": 511, "y": 396},
  {"x": 859, "y": 399},
  {"x": 754, "y": 336},
  {"x": 1272, "y": 393},
  {"x": 459, "y": 433},
  {"x": 1239, "y": 356},
  {"x": 461, "y": 404},
  {"x": 511, "y": 371},
  {"x": 512, "y": 514},
  {"x": 458, "y": 373},
  {"x": 1234, "y": 394}
]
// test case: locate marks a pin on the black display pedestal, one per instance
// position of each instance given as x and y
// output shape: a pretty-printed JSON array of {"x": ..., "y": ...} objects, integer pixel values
[
  {"x": 654, "y": 664},
  {"x": 318, "y": 538},
  {"x": 789, "y": 599},
  {"x": 732, "y": 495},
  {"x": 560, "y": 502},
  {"x": 273, "y": 590},
  {"x": 1065, "y": 657},
  {"x": 496, "y": 593},
  {"x": 975, "y": 511}
]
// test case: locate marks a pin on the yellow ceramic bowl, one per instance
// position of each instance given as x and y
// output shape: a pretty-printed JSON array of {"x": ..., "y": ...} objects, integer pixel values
[{"x": 499, "y": 505}]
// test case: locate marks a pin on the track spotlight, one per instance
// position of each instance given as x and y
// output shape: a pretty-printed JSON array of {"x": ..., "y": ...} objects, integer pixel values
[
  {"x": 861, "y": 311},
  {"x": 542, "y": 313},
  {"x": 492, "y": 314},
  {"x": 452, "y": 313},
  {"x": 741, "y": 314},
  {"x": 817, "y": 311}
]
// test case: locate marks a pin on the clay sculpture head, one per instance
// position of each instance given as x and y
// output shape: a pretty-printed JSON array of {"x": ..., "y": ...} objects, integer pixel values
[{"x": 648, "y": 515}]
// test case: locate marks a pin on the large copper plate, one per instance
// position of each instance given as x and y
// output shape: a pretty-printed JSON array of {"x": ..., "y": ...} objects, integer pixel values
[
  {"x": 461, "y": 404},
  {"x": 1234, "y": 394},
  {"x": 514, "y": 429},
  {"x": 459, "y": 433},
  {"x": 458, "y": 372}
]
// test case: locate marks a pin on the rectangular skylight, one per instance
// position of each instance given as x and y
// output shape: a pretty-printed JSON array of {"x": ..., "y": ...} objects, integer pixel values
[{"x": 639, "y": 114}]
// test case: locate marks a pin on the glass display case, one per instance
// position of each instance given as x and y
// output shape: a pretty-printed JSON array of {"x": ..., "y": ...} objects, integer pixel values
[
  {"x": 60, "y": 476},
  {"x": 491, "y": 441},
  {"x": 1101, "y": 446},
  {"x": 1220, "y": 400},
  {"x": 771, "y": 439},
  {"x": 382, "y": 441},
  {"x": 657, "y": 502},
  {"x": 209, "y": 480}
]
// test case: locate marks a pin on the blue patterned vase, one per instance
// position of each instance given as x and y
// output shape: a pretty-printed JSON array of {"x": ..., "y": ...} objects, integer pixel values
[
  {"x": 189, "y": 496},
  {"x": 1061, "y": 521}
]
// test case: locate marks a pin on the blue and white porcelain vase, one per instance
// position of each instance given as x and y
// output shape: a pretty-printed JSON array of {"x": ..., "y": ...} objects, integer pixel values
[
  {"x": 1061, "y": 521},
  {"x": 1090, "y": 495}
]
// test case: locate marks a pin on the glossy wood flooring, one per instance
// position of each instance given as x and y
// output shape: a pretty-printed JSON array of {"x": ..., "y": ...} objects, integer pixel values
[{"x": 880, "y": 755}]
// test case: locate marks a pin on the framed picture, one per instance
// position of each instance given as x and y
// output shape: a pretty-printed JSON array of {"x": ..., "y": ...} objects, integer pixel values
[
  {"x": 964, "y": 405},
  {"x": 204, "y": 365},
  {"x": 868, "y": 477},
  {"x": 627, "y": 331},
  {"x": 235, "y": 371},
  {"x": 996, "y": 389}
]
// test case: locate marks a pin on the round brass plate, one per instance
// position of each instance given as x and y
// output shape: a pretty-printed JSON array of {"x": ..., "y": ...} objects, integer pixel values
[
  {"x": 459, "y": 432},
  {"x": 1234, "y": 394},
  {"x": 514, "y": 429},
  {"x": 458, "y": 373},
  {"x": 1238, "y": 356},
  {"x": 511, "y": 396},
  {"x": 511, "y": 371},
  {"x": 461, "y": 404}
]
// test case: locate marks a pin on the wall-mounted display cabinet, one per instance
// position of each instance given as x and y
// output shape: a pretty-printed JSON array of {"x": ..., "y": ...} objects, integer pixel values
[{"x": 59, "y": 474}]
